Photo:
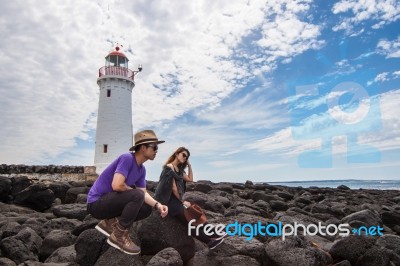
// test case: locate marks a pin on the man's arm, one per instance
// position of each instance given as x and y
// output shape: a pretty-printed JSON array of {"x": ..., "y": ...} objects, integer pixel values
[
  {"x": 149, "y": 200},
  {"x": 118, "y": 183}
]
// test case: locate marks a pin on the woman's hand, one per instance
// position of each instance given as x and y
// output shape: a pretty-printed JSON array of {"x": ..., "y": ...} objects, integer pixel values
[
  {"x": 162, "y": 209},
  {"x": 186, "y": 204}
]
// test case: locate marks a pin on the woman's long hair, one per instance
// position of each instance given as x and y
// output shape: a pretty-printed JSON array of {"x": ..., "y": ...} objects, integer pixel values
[{"x": 171, "y": 158}]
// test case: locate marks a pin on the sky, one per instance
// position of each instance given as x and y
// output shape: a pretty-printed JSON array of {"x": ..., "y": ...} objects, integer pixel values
[{"x": 256, "y": 90}]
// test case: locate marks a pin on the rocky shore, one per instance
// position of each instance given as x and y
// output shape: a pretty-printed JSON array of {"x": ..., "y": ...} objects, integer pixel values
[{"x": 43, "y": 221}]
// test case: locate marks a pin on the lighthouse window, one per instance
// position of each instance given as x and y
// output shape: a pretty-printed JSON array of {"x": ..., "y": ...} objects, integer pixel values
[
  {"x": 108, "y": 93},
  {"x": 105, "y": 147}
]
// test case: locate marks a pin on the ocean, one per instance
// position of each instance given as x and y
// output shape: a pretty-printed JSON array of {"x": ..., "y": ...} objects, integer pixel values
[{"x": 351, "y": 183}]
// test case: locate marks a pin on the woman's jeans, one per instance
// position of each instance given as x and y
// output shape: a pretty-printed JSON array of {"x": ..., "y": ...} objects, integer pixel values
[{"x": 128, "y": 206}]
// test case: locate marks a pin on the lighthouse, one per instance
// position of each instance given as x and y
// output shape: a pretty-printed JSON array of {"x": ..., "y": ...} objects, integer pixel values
[{"x": 114, "y": 118}]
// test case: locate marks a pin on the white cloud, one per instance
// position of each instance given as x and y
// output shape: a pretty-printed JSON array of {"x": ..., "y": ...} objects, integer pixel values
[
  {"x": 357, "y": 12},
  {"x": 192, "y": 55},
  {"x": 382, "y": 77},
  {"x": 389, "y": 48},
  {"x": 309, "y": 135},
  {"x": 396, "y": 74}
]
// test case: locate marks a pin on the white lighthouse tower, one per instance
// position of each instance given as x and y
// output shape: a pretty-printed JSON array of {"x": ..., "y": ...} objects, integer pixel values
[{"x": 114, "y": 117}]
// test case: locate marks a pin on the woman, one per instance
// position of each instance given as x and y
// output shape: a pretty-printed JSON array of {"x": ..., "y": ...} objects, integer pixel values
[{"x": 172, "y": 186}]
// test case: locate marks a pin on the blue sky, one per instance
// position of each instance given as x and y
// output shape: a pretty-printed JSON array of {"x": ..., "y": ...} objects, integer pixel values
[{"x": 257, "y": 90}]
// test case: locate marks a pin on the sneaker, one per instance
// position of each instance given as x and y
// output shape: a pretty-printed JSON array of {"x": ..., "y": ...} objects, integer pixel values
[
  {"x": 214, "y": 243},
  {"x": 106, "y": 227},
  {"x": 120, "y": 239}
]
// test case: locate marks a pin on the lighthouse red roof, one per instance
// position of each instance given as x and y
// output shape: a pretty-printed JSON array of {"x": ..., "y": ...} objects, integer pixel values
[{"x": 116, "y": 52}]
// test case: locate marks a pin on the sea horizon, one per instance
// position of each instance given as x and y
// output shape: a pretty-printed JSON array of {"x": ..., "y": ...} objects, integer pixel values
[{"x": 389, "y": 184}]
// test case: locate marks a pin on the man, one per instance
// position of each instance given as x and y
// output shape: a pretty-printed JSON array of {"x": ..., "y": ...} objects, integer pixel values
[{"x": 119, "y": 193}]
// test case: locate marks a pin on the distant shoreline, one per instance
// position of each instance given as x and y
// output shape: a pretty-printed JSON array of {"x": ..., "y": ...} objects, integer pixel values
[{"x": 390, "y": 184}]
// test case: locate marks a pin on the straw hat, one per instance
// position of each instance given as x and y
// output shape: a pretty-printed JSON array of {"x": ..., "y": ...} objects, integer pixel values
[
  {"x": 145, "y": 137},
  {"x": 196, "y": 213}
]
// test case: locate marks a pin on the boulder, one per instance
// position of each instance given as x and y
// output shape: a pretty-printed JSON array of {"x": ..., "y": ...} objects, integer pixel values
[
  {"x": 15, "y": 208},
  {"x": 7, "y": 262},
  {"x": 37, "y": 197},
  {"x": 201, "y": 187},
  {"x": 260, "y": 195},
  {"x": 168, "y": 256},
  {"x": 278, "y": 205},
  {"x": 391, "y": 218},
  {"x": 71, "y": 211},
  {"x": 62, "y": 255},
  {"x": 156, "y": 233},
  {"x": 89, "y": 246},
  {"x": 211, "y": 258},
  {"x": 81, "y": 198},
  {"x": 5, "y": 188},
  {"x": 54, "y": 240},
  {"x": 284, "y": 195},
  {"x": 72, "y": 194},
  {"x": 196, "y": 197},
  {"x": 378, "y": 256},
  {"x": 21, "y": 247},
  {"x": 10, "y": 229},
  {"x": 60, "y": 189},
  {"x": 351, "y": 248},
  {"x": 113, "y": 256},
  {"x": 224, "y": 187},
  {"x": 391, "y": 242},
  {"x": 297, "y": 251},
  {"x": 236, "y": 245},
  {"x": 363, "y": 218},
  {"x": 61, "y": 224},
  {"x": 88, "y": 223},
  {"x": 20, "y": 183}
]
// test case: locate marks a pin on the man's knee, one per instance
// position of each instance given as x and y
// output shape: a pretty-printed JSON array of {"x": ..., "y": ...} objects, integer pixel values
[{"x": 136, "y": 195}]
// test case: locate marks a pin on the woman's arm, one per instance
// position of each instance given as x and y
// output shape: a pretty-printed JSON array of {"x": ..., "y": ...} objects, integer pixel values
[
  {"x": 189, "y": 176},
  {"x": 175, "y": 189}
]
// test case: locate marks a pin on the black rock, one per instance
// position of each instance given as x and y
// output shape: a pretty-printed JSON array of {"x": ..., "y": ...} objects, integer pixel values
[
  {"x": 72, "y": 194},
  {"x": 351, "y": 248},
  {"x": 60, "y": 189},
  {"x": 62, "y": 255},
  {"x": 54, "y": 240},
  {"x": 37, "y": 197},
  {"x": 297, "y": 251},
  {"x": 5, "y": 188},
  {"x": 168, "y": 256},
  {"x": 89, "y": 247},
  {"x": 113, "y": 256},
  {"x": 156, "y": 234},
  {"x": 21, "y": 247},
  {"x": 20, "y": 183},
  {"x": 71, "y": 211}
]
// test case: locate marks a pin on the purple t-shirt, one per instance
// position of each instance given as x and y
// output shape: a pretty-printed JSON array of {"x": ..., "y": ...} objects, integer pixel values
[{"x": 127, "y": 166}]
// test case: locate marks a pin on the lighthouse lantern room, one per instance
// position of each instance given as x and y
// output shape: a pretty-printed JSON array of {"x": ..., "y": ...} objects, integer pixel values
[{"x": 114, "y": 118}]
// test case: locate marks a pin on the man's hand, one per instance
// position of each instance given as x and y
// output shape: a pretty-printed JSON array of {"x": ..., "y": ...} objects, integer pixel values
[{"x": 163, "y": 210}]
